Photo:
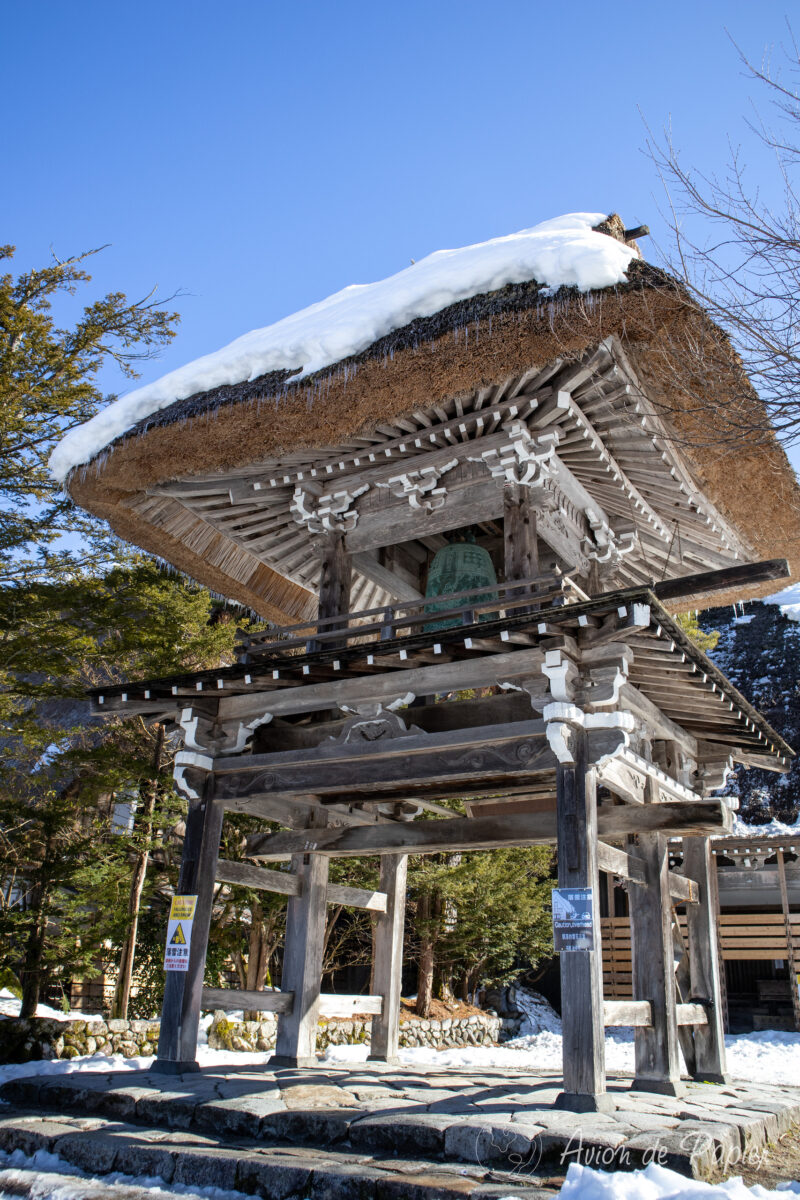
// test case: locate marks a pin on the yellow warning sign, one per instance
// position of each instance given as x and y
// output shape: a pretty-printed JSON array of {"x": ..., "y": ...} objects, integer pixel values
[
  {"x": 179, "y": 933},
  {"x": 182, "y": 908}
]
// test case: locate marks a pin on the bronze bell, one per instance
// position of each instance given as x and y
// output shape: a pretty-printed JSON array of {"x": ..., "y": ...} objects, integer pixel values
[{"x": 460, "y": 567}]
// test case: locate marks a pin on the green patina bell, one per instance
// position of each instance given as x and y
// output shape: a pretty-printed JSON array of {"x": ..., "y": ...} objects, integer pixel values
[{"x": 460, "y": 567}]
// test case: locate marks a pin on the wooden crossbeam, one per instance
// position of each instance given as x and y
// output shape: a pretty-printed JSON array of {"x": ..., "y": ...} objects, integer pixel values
[
  {"x": 629, "y": 867},
  {"x": 708, "y": 582},
  {"x": 233, "y": 998},
  {"x": 281, "y": 1002},
  {"x": 487, "y": 833},
  {"x": 691, "y": 1014},
  {"x": 287, "y": 884},
  {"x": 638, "y": 1013}
]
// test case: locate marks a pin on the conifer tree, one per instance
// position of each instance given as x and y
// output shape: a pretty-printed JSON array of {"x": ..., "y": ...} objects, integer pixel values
[{"x": 49, "y": 384}]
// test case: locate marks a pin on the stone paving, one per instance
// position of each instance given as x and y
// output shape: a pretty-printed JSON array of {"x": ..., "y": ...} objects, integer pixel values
[{"x": 380, "y": 1132}]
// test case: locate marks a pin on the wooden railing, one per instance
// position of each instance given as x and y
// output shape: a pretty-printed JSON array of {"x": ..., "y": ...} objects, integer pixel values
[{"x": 412, "y": 616}]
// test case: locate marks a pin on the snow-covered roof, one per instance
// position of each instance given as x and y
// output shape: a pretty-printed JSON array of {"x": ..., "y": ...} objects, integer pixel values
[{"x": 565, "y": 251}]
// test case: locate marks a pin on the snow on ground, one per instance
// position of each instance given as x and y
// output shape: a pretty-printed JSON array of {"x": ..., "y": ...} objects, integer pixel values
[
  {"x": 788, "y": 601},
  {"x": 768, "y": 1056},
  {"x": 9, "y": 1007},
  {"x": 563, "y": 251}
]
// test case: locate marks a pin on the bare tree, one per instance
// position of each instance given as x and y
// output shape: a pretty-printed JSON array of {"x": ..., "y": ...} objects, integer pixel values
[{"x": 735, "y": 245}]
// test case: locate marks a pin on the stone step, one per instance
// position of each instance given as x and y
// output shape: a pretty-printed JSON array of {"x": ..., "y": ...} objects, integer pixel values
[{"x": 97, "y": 1148}]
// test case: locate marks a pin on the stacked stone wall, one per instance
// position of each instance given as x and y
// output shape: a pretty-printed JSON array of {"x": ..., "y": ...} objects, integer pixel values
[{"x": 40, "y": 1037}]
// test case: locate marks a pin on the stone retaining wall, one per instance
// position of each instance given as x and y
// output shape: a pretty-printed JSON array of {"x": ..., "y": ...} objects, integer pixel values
[{"x": 44, "y": 1037}]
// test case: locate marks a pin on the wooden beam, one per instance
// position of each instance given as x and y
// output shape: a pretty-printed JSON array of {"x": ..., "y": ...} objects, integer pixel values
[
  {"x": 691, "y": 1014},
  {"x": 707, "y": 582},
  {"x": 398, "y": 588},
  {"x": 246, "y": 875},
  {"x": 419, "y": 681},
  {"x": 487, "y": 833},
  {"x": 629, "y": 867},
  {"x": 233, "y": 998},
  {"x": 583, "y": 1051},
  {"x": 657, "y": 1065},
  {"x": 617, "y": 862},
  {"x": 296, "y": 1041},
  {"x": 662, "y": 726},
  {"x": 396, "y": 765},
  {"x": 627, "y": 1012},
  {"x": 287, "y": 884},
  {"x": 702, "y": 938},
  {"x": 388, "y": 962},
  {"x": 352, "y": 897},
  {"x": 345, "y": 1006}
]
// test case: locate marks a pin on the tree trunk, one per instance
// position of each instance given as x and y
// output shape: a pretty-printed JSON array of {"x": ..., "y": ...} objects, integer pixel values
[
  {"x": 122, "y": 991},
  {"x": 30, "y": 977},
  {"x": 257, "y": 957},
  {"x": 426, "y": 958}
]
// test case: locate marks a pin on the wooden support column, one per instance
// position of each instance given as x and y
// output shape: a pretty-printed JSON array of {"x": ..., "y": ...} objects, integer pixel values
[
  {"x": 653, "y": 971},
  {"x": 581, "y": 970},
  {"x": 335, "y": 577},
  {"x": 790, "y": 958},
  {"x": 302, "y": 961},
  {"x": 180, "y": 1013},
  {"x": 388, "y": 971},
  {"x": 519, "y": 533},
  {"x": 704, "y": 965}
]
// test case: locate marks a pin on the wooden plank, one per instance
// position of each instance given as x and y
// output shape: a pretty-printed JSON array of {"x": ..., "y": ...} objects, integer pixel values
[
  {"x": 692, "y": 1014},
  {"x": 704, "y": 965},
  {"x": 484, "y": 833},
  {"x": 419, "y": 681},
  {"x": 708, "y": 582},
  {"x": 657, "y": 1067},
  {"x": 388, "y": 963},
  {"x": 627, "y": 1012},
  {"x": 397, "y": 765},
  {"x": 683, "y": 889},
  {"x": 230, "y": 999},
  {"x": 260, "y": 878},
  {"x": 583, "y": 1050},
  {"x": 331, "y": 1005},
  {"x": 617, "y": 862},
  {"x": 352, "y": 897},
  {"x": 302, "y": 959}
]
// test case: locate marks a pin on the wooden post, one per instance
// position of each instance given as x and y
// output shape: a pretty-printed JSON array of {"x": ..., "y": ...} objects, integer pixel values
[
  {"x": 335, "y": 576},
  {"x": 653, "y": 971},
  {"x": 581, "y": 970},
  {"x": 180, "y": 1013},
  {"x": 704, "y": 966},
  {"x": 519, "y": 534},
  {"x": 388, "y": 972},
  {"x": 787, "y": 921},
  {"x": 302, "y": 961}
]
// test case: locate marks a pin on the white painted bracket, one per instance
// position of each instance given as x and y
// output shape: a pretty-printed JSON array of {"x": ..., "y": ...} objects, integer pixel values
[
  {"x": 420, "y": 486},
  {"x": 524, "y": 459},
  {"x": 328, "y": 512}
]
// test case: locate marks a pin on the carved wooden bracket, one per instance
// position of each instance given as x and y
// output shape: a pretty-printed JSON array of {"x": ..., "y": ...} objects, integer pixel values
[
  {"x": 326, "y": 512},
  {"x": 204, "y": 740},
  {"x": 568, "y": 690},
  {"x": 606, "y": 546},
  {"x": 374, "y": 723},
  {"x": 420, "y": 486},
  {"x": 523, "y": 460}
]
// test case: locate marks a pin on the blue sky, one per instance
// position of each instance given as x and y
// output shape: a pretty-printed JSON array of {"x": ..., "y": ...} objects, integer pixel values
[{"x": 258, "y": 156}]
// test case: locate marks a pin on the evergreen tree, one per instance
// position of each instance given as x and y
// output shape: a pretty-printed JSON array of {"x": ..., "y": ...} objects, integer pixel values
[
  {"x": 60, "y": 774},
  {"x": 48, "y": 381}
]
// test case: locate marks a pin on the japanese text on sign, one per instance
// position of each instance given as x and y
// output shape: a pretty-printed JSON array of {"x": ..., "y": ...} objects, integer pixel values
[
  {"x": 573, "y": 924},
  {"x": 179, "y": 933}
]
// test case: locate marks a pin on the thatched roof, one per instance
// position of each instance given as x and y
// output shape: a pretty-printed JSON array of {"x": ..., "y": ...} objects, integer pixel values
[{"x": 683, "y": 363}]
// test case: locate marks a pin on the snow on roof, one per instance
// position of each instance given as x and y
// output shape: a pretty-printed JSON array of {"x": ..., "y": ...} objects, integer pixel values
[{"x": 562, "y": 252}]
